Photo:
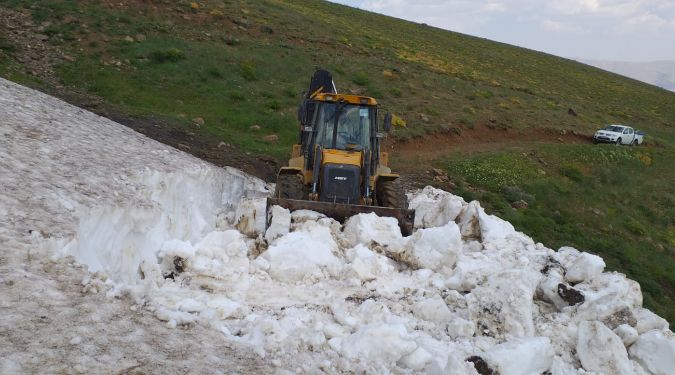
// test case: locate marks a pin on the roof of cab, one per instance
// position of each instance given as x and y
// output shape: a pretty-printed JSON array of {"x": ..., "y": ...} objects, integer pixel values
[{"x": 352, "y": 99}]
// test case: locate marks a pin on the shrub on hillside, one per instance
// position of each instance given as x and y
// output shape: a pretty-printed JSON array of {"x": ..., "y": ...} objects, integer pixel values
[
  {"x": 397, "y": 121},
  {"x": 6, "y": 46},
  {"x": 169, "y": 55},
  {"x": 572, "y": 173},
  {"x": 361, "y": 79},
  {"x": 248, "y": 70}
]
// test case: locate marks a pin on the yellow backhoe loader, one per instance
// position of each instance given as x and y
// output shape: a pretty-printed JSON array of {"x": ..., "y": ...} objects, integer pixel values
[{"x": 337, "y": 167}]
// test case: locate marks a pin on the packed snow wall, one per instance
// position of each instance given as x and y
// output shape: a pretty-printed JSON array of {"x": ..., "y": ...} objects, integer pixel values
[{"x": 182, "y": 205}]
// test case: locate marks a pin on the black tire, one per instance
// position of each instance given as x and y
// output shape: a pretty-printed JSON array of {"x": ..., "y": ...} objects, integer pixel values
[
  {"x": 635, "y": 143},
  {"x": 618, "y": 142},
  {"x": 389, "y": 193},
  {"x": 289, "y": 186},
  {"x": 595, "y": 141}
]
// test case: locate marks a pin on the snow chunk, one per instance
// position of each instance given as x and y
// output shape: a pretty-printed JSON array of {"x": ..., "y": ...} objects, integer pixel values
[
  {"x": 548, "y": 289},
  {"x": 471, "y": 269},
  {"x": 655, "y": 351},
  {"x": 383, "y": 343},
  {"x": 370, "y": 228},
  {"x": 416, "y": 360},
  {"x": 585, "y": 267},
  {"x": 475, "y": 224},
  {"x": 521, "y": 356},
  {"x": 280, "y": 225},
  {"x": 222, "y": 246},
  {"x": 250, "y": 216},
  {"x": 369, "y": 265},
  {"x": 460, "y": 327},
  {"x": 434, "y": 248},
  {"x": 301, "y": 216},
  {"x": 434, "y": 207},
  {"x": 303, "y": 253},
  {"x": 627, "y": 334},
  {"x": 492, "y": 228},
  {"x": 607, "y": 294},
  {"x": 432, "y": 309},
  {"x": 176, "y": 248},
  {"x": 503, "y": 305},
  {"x": 601, "y": 351},
  {"x": 560, "y": 367},
  {"x": 566, "y": 255},
  {"x": 222, "y": 255},
  {"x": 469, "y": 226},
  {"x": 647, "y": 321},
  {"x": 225, "y": 308}
]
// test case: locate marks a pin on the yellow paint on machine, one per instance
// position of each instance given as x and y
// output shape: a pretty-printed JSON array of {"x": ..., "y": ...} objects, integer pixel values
[
  {"x": 341, "y": 157},
  {"x": 352, "y": 99}
]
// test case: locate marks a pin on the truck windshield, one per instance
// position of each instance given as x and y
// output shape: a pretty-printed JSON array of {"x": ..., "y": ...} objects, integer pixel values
[
  {"x": 353, "y": 125},
  {"x": 614, "y": 128}
]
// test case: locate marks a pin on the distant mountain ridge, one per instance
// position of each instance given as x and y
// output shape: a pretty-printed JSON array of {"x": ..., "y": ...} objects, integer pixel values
[{"x": 657, "y": 73}]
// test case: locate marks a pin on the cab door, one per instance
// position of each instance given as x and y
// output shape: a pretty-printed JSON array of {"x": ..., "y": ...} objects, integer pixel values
[
  {"x": 631, "y": 134},
  {"x": 626, "y": 137}
]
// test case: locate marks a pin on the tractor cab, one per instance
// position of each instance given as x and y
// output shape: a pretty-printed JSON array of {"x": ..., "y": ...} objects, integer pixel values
[
  {"x": 344, "y": 122},
  {"x": 337, "y": 167},
  {"x": 342, "y": 143}
]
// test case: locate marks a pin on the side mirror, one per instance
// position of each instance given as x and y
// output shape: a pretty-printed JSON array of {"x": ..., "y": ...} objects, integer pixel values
[{"x": 387, "y": 122}]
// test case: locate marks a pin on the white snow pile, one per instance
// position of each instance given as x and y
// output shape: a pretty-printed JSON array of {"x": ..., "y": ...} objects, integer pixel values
[
  {"x": 361, "y": 297},
  {"x": 465, "y": 294}
]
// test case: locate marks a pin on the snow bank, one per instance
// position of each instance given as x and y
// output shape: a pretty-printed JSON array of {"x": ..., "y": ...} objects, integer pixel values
[
  {"x": 363, "y": 297},
  {"x": 129, "y": 207}
]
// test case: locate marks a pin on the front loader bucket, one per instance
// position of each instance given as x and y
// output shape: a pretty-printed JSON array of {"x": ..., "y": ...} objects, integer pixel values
[{"x": 342, "y": 212}]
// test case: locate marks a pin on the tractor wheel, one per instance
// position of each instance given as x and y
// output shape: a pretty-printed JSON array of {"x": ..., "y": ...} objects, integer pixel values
[
  {"x": 289, "y": 186},
  {"x": 389, "y": 193}
]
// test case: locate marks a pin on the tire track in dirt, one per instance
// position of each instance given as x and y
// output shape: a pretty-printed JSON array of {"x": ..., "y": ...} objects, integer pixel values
[{"x": 413, "y": 154}]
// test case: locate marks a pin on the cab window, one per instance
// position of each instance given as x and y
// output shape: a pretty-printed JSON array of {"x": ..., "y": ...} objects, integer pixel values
[{"x": 353, "y": 124}]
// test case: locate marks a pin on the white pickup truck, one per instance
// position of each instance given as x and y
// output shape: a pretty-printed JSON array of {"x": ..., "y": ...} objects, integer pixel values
[{"x": 619, "y": 135}]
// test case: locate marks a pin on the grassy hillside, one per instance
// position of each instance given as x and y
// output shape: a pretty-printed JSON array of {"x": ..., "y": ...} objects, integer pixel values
[
  {"x": 618, "y": 202},
  {"x": 210, "y": 70}
]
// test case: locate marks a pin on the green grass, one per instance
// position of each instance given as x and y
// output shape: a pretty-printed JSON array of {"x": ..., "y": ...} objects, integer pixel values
[
  {"x": 613, "y": 201},
  {"x": 451, "y": 78}
]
